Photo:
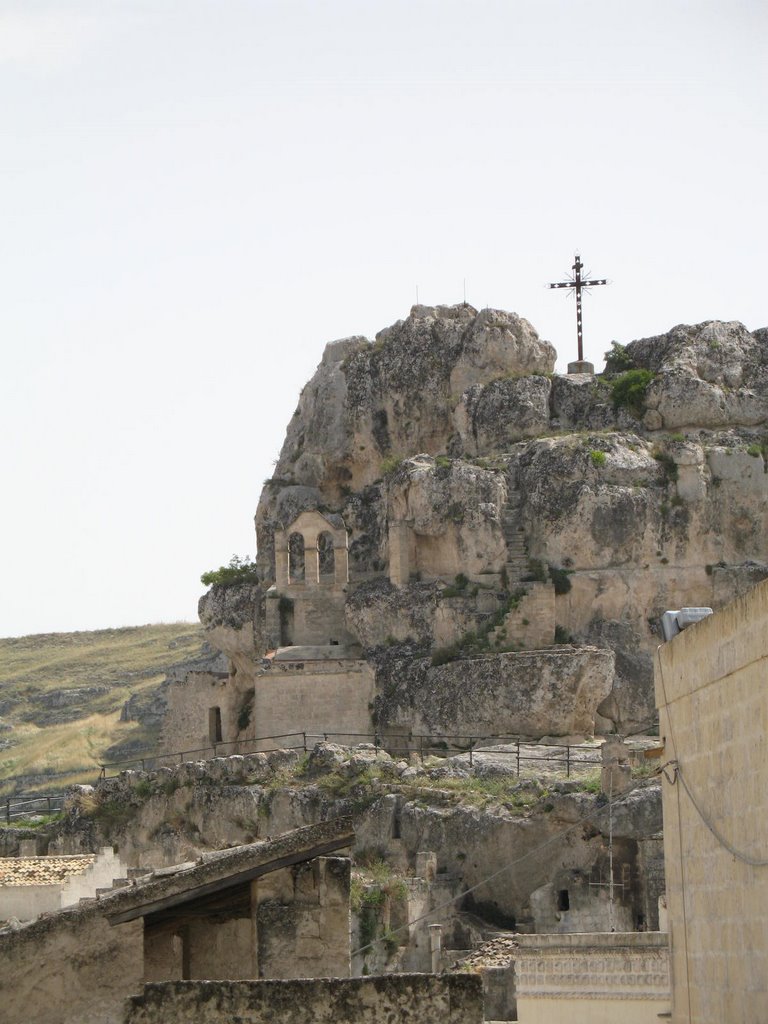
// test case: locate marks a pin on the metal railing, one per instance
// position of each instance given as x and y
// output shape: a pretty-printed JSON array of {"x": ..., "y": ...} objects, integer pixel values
[
  {"x": 573, "y": 757},
  {"x": 32, "y": 806}
]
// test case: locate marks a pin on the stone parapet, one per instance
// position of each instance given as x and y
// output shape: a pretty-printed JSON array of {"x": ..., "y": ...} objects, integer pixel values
[
  {"x": 422, "y": 998},
  {"x": 580, "y": 977}
]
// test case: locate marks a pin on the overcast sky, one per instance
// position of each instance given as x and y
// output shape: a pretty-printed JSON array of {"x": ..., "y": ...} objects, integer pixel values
[{"x": 198, "y": 194}]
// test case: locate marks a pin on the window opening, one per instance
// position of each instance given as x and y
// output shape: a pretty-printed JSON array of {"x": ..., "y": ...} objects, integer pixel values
[
  {"x": 326, "y": 557},
  {"x": 214, "y": 725},
  {"x": 296, "y": 558}
]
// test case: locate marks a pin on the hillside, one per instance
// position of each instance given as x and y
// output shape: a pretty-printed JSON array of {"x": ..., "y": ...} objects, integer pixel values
[{"x": 69, "y": 701}]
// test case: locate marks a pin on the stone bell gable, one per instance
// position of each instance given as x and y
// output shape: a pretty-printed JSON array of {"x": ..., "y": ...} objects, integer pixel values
[
  {"x": 306, "y": 604},
  {"x": 312, "y": 551}
]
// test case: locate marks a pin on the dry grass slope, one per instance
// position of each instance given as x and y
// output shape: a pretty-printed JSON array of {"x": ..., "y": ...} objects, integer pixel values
[{"x": 62, "y": 694}]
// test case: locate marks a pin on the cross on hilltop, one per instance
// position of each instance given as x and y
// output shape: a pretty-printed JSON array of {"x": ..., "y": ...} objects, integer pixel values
[{"x": 578, "y": 285}]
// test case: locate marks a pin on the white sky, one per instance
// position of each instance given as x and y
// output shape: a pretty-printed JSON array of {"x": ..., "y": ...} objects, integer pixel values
[{"x": 196, "y": 195}]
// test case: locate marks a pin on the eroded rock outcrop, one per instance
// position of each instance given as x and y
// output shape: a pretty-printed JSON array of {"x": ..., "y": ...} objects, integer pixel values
[{"x": 466, "y": 475}]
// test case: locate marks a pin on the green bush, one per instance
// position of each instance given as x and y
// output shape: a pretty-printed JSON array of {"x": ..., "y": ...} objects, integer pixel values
[
  {"x": 562, "y": 636},
  {"x": 390, "y": 465},
  {"x": 667, "y": 462},
  {"x": 598, "y": 458},
  {"x": 628, "y": 391},
  {"x": 617, "y": 359},
  {"x": 560, "y": 578},
  {"x": 457, "y": 588},
  {"x": 246, "y": 710},
  {"x": 239, "y": 570},
  {"x": 537, "y": 573}
]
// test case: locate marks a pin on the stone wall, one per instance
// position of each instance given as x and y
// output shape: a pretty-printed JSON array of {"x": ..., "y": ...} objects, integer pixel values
[
  {"x": 713, "y": 706},
  {"x": 303, "y": 920},
  {"x": 100, "y": 875},
  {"x": 187, "y": 722},
  {"x": 595, "y": 978},
  {"x": 26, "y": 902},
  {"x": 406, "y": 998},
  {"x": 70, "y": 968},
  {"x": 315, "y": 697}
]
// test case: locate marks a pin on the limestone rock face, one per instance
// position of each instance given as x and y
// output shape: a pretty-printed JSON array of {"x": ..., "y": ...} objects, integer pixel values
[
  {"x": 498, "y": 344},
  {"x": 397, "y": 396},
  {"x": 234, "y": 620},
  {"x": 463, "y": 471},
  {"x": 454, "y": 509},
  {"x": 554, "y": 693},
  {"x": 490, "y": 417},
  {"x": 710, "y": 375}
]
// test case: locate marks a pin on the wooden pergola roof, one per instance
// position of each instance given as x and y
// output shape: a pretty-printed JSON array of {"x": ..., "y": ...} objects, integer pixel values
[{"x": 228, "y": 869}]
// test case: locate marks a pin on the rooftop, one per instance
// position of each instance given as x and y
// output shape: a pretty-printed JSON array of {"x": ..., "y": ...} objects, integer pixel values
[
  {"x": 42, "y": 870},
  {"x": 225, "y": 869}
]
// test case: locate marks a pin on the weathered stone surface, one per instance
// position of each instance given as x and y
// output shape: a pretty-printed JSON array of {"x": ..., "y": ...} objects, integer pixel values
[
  {"x": 496, "y": 344},
  {"x": 580, "y": 402},
  {"x": 710, "y": 375},
  {"x": 491, "y": 417},
  {"x": 233, "y": 616},
  {"x": 454, "y": 512},
  {"x": 407, "y": 998},
  {"x": 367, "y": 402},
  {"x": 451, "y": 451},
  {"x": 528, "y": 694},
  {"x": 90, "y": 969}
]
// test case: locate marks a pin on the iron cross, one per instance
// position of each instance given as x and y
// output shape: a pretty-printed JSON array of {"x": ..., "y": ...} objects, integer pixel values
[{"x": 577, "y": 285}]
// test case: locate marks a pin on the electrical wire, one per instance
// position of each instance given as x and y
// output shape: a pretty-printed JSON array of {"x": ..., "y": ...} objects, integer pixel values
[
  {"x": 745, "y": 858},
  {"x": 507, "y": 867},
  {"x": 679, "y": 839}
]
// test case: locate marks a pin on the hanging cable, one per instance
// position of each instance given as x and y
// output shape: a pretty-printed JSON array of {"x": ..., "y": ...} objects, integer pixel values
[
  {"x": 745, "y": 858},
  {"x": 507, "y": 867}
]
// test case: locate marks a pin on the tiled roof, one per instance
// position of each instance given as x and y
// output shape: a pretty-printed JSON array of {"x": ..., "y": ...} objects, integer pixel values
[{"x": 41, "y": 870}]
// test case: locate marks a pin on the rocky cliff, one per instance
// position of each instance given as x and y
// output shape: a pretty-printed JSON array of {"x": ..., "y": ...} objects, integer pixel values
[{"x": 618, "y": 496}]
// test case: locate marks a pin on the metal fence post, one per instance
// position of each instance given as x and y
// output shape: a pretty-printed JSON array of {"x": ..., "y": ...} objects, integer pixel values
[
  {"x": 517, "y": 744},
  {"x": 471, "y": 745},
  {"x": 7, "y": 812},
  {"x": 304, "y": 740},
  {"x": 568, "y": 761}
]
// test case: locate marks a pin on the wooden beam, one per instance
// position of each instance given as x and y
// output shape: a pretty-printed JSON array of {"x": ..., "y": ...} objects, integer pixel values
[{"x": 246, "y": 875}]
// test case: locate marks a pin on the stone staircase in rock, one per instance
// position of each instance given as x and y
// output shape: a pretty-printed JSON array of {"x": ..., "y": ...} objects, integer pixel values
[
  {"x": 514, "y": 535},
  {"x": 530, "y": 625}
]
